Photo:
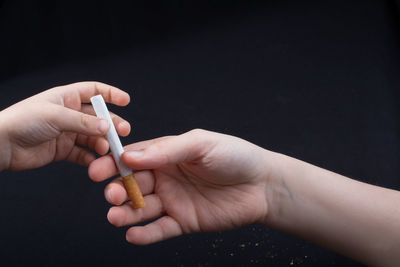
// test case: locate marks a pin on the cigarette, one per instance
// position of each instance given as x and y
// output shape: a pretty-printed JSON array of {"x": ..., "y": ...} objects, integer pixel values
[{"x": 130, "y": 184}]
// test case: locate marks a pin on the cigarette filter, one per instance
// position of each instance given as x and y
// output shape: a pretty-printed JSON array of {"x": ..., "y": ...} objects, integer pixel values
[{"x": 128, "y": 178}]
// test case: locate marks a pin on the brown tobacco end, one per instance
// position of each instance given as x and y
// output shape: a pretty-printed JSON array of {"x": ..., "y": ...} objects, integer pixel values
[{"x": 133, "y": 190}]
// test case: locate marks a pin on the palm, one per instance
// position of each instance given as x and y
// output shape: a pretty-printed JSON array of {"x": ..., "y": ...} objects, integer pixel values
[
  {"x": 27, "y": 154},
  {"x": 197, "y": 203},
  {"x": 198, "y": 181},
  {"x": 37, "y": 142}
]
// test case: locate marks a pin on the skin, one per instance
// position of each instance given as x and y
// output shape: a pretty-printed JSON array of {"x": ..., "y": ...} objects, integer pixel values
[
  {"x": 55, "y": 125},
  {"x": 203, "y": 181},
  {"x": 191, "y": 191}
]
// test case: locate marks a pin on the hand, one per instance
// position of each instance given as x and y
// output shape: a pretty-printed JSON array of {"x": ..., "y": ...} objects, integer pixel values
[
  {"x": 197, "y": 181},
  {"x": 54, "y": 125}
]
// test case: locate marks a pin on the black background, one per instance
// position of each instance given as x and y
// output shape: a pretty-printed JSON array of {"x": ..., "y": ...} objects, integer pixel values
[{"x": 316, "y": 80}]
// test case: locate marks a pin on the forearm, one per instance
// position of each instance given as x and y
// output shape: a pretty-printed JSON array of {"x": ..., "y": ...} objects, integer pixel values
[
  {"x": 358, "y": 220},
  {"x": 5, "y": 144}
]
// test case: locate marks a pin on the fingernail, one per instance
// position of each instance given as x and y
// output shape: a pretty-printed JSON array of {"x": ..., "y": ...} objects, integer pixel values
[
  {"x": 124, "y": 124},
  {"x": 103, "y": 126},
  {"x": 128, "y": 238},
  {"x": 108, "y": 195},
  {"x": 134, "y": 153}
]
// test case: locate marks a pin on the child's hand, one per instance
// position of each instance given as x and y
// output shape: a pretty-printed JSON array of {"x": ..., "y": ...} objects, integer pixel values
[
  {"x": 197, "y": 181},
  {"x": 55, "y": 125}
]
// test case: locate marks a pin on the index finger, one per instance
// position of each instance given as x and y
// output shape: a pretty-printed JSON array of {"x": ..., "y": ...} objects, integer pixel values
[
  {"x": 104, "y": 167},
  {"x": 110, "y": 93}
]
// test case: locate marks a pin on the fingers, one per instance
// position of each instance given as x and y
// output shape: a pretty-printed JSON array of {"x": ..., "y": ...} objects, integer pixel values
[
  {"x": 80, "y": 156},
  {"x": 110, "y": 93},
  {"x": 193, "y": 145},
  {"x": 125, "y": 215},
  {"x": 164, "y": 228},
  {"x": 115, "y": 192},
  {"x": 104, "y": 167},
  {"x": 98, "y": 144},
  {"x": 122, "y": 126},
  {"x": 65, "y": 119},
  {"x": 144, "y": 144}
]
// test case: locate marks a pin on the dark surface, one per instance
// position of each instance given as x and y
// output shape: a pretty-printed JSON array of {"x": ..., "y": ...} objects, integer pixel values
[{"x": 317, "y": 80}]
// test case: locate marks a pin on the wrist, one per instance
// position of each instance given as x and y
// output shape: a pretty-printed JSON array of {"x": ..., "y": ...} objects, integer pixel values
[{"x": 276, "y": 190}]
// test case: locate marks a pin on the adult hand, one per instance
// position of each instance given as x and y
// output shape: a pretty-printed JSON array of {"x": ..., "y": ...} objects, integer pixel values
[{"x": 197, "y": 181}]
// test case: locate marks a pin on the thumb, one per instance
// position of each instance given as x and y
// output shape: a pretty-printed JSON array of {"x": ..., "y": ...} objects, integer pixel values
[
  {"x": 65, "y": 119},
  {"x": 187, "y": 147}
]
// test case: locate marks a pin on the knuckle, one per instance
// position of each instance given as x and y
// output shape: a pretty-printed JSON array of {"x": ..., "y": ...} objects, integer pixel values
[
  {"x": 140, "y": 216},
  {"x": 85, "y": 120},
  {"x": 156, "y": 147},
  {"x": 197, "y": 131},
  {"x": 116, "y": 119}
]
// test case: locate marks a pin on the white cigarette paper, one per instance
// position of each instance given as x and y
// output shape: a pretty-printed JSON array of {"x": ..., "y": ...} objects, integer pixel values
[{"x": 115, "y": 144}]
